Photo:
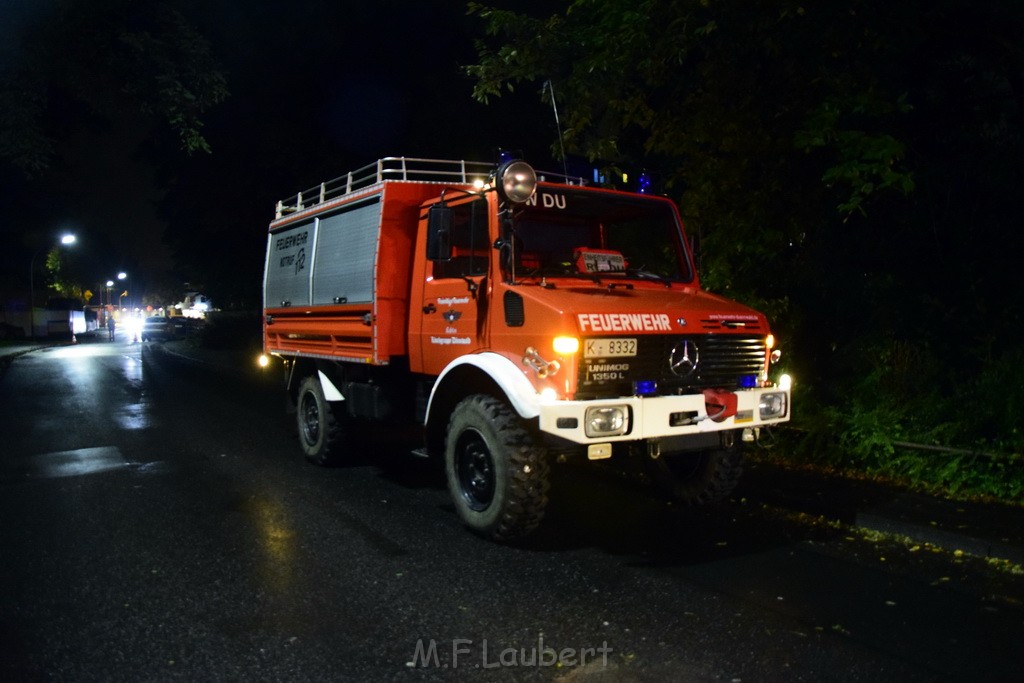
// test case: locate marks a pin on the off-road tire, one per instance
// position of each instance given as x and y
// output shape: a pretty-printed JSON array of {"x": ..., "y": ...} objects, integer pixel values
[
  {"x": 498, "y": 474},
  {"x": 320, "y": 430},
  {"x": 699, "y": 478}
]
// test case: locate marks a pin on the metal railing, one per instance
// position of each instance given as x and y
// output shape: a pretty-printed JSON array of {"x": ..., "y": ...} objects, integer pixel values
[
  {"x": 388, "y": 168},
  {"x": 400, "y": 168}
]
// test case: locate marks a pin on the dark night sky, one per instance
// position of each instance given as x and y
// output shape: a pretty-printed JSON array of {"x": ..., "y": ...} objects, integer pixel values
[{"x": 317, "y": 88}]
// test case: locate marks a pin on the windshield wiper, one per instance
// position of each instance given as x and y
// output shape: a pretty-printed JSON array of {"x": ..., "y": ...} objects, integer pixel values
[
  {"x": 641, "y": 274},
  {"x": 545, "y": 272}
]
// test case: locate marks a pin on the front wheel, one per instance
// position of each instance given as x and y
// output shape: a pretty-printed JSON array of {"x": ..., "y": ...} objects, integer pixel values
[
  {"x": 498, "y": 475},
  {"x": 320, "y": 431}
]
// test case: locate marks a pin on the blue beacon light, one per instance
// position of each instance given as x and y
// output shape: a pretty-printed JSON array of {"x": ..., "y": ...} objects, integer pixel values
[
  {"x": 643, "y": 183},
  {"x": 645, "y": 387}
]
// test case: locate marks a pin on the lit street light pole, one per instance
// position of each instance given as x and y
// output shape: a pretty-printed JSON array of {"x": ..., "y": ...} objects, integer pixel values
[
  {"x": 122, "y": 276},
  {"x": 64, "y": 239}
]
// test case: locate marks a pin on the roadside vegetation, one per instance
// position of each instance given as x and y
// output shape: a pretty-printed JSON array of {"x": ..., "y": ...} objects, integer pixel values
[{"x": 908, "y": 421}]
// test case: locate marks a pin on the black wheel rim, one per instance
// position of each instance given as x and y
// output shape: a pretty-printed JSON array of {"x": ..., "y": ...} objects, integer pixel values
[
  {"x": 310, "y": 419},
  {"x": 474, "y": 467}
]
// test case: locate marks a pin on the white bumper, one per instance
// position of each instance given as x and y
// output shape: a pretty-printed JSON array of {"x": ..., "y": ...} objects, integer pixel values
[{"x": 654, "y": 417}]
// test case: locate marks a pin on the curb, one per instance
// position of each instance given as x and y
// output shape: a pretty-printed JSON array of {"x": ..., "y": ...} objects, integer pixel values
[
  {"x": 985, "y": 530},
  {"x": 949, "y": 525},
  {"x": 979, "y": 547},
  {"x": 7, "y": 358}
]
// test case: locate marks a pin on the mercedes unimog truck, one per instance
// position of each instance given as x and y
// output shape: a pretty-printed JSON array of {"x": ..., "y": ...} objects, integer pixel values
[{"x": 517, "y": 320}]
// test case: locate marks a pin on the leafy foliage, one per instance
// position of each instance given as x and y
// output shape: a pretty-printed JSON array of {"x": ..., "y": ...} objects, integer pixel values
[
  {"x": 901, "y": 418},
  {"x": 771, "y": 120},
  {"x": 108, "y": 61},
  {"x": 848, "y": 168},
  {"x": 62, "y": 279}
]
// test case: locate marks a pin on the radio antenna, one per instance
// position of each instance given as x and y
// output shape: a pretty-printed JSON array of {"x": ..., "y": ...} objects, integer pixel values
[{"x": 554, "y": 108}]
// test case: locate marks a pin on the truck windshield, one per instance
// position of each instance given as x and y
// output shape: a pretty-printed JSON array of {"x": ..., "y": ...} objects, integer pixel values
[{"x": 562, "y": 232}]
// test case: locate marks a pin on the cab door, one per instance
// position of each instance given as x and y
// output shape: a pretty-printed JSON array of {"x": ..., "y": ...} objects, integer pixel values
[{"x": 452, "y": 308}]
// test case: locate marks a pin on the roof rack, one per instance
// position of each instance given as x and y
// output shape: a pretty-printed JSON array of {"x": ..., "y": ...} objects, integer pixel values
[
  {"x": 400, "y": 168},
  {"x": 388, "y": 168}
]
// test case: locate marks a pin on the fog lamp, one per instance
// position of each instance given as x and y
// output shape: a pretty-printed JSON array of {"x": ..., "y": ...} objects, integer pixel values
[{"x": 606, "y": 421}]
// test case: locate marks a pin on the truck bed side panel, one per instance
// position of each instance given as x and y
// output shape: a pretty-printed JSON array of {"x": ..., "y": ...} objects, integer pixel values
[
  {"x": 346, "y": 250},
  {"x": 288, "y": 271},
  {"x": 337, "y": 280}
]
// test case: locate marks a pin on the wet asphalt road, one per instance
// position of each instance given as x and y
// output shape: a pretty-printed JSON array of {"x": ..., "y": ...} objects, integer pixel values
[{"x": 157, "y": 523}]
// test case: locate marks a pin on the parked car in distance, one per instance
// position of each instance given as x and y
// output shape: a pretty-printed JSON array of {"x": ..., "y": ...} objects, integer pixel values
[{"x": 160, "y": 328}]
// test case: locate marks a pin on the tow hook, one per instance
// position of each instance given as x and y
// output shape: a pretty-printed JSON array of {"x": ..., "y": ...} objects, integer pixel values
[
  {"x": 654, "y": 449},
  {"x": 542, "y": 367}
]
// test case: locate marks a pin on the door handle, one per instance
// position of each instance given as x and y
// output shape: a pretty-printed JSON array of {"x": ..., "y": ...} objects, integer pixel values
[{"x": 430, "y": 308}]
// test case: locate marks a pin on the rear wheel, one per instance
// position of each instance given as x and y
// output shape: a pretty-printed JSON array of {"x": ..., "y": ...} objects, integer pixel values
[
  {"x": 498, "y": 475},
  {"x": 320, "y": 431}
]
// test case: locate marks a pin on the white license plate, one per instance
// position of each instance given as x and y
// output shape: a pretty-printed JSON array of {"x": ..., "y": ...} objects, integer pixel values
[{"x": 609, "y": 348}]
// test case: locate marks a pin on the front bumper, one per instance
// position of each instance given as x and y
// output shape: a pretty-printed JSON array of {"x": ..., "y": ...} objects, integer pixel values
[{"x": 660, "y": 416}]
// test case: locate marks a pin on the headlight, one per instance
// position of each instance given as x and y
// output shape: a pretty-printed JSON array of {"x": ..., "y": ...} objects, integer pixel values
[
  {"x": 606, "y": 421},
  {"x": 772, "y": 405}
]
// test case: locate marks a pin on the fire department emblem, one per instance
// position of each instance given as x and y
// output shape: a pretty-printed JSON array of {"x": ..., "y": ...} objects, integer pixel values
[{"x": 683, "y": 359}]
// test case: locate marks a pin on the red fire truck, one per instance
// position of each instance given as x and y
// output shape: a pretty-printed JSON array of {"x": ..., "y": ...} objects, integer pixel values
[{"x": 519, "y": 319}]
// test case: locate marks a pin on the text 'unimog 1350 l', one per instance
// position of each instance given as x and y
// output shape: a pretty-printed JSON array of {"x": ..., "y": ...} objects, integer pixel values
[{"x": 521, "y": 321}]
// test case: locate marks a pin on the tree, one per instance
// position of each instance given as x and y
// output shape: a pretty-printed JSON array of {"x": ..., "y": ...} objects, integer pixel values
[
  {"x": 60, "y": 277},
  {"x": 102, "y": 62},
  {"x": 763, "y": 116}
]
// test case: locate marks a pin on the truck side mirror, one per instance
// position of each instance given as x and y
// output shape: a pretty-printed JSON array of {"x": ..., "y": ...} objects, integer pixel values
[{"x": 439, "y": 233}]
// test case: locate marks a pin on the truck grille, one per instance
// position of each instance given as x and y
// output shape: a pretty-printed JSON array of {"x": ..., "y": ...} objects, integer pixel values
[{"x": 700, "y": 362}]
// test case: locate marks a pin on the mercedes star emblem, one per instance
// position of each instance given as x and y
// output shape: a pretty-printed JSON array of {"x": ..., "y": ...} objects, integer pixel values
[{"x": 683, "y": 359}]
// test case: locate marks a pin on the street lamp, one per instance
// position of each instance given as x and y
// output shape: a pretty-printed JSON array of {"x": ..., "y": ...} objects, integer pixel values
[
  {"x": 122, "y": 276},
  {"x": 65, "y": 239}
]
